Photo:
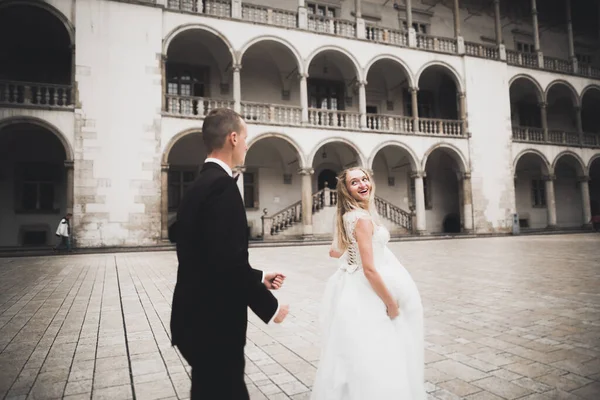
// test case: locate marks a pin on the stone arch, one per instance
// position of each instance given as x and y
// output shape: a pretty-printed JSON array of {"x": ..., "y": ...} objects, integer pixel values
[
  {"x": 414, "y": 161},
  {"x": 171, "y": 143},
  {"x": 186, "y": 27},
  {"x": 546, "y": 166},
  {"x": 453, "y": 73},
  {"x": 43, "y": 124},
  {"x": 592, "y": 160},
  {"x": 289, "y": 140},
  {"x": 341, "y": 50},
  {"x": 568, "y": 153},
  {"x": 336, "y": 139},
  {"x": 267, "y": 38},
  {"x": 575, "y": 97},
  {"x": 453, "y": 152},
  {"x": 540, "y": 92},
  {"x": 592, "y": 86},
  {"x": 47, "y": 7},
  {"x": 405, "y": 68}
]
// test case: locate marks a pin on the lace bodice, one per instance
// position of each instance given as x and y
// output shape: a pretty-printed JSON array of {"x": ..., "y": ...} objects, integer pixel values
[{"x": 381, "y": 236}]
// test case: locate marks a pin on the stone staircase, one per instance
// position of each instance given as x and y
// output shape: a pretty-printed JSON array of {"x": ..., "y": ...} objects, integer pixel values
[{"x": 287, "y": 223}]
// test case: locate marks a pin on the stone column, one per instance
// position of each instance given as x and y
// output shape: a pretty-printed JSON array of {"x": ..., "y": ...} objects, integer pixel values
[
  {"x": 236, "y": 9},
  {"x": 412, "y": 35},
  {"x": 570, "y": 36},
  {"x": 163, "y": 66},
  {"x": 463, "y": 111},
  {"x": 585, "y": 200},
  {"x": 467, "y": 202},
  {"x": 536, "y": 33},
  {"x": 456, "y": 20},
  {"x": 544, "y": 118},
  {"x": 240, "y": 182},
  {"x": 237, "y": 88},
  {"x": 302, "y": 15},
  {"x": 304, "y": 97},
  {"x": 361, "y": 29},
  {"x": 420, "y": 202},
  {"x": 164, "y": 201},
  {"x": 362, "y": 103},
  {"x": 307, "y": 205},
  {"x": 579, "y": 123},
  {"x": 550, "y": 200},
  {"x": 497, "y": 22},
  {"x": 70, "y": 200},
  {"x": 415, "y": 108}
]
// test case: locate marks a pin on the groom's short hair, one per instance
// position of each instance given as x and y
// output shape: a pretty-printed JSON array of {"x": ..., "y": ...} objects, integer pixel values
[{"x": 218, "y": 124}]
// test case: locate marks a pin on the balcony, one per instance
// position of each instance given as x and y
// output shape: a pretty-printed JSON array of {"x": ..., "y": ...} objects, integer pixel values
[
  {"x": 30, "y": 94},
  {"x": 298, "y": 19}
]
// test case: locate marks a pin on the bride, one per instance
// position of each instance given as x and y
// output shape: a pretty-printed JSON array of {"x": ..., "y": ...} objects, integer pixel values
[{"x": 371, "y": 318}]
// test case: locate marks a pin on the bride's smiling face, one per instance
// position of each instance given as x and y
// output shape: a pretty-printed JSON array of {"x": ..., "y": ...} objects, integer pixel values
[{"x": 359, "y": 185}]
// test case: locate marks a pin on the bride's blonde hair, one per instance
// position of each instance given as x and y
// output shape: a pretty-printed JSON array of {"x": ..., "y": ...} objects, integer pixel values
[{"x": 347, "y": 203}]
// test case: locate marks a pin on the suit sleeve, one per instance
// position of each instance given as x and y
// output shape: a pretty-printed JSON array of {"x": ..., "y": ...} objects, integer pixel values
[{"x": 230, "y": 237}]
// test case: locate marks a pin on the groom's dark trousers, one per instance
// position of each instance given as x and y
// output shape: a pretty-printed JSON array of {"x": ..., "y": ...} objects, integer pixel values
[{"x": 215, "y": 286}]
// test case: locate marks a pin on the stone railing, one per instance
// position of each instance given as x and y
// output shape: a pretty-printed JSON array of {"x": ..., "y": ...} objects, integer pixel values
[
  {"x": 482, "y": 50},
  {"x": 269, "y": 16},
  {"x": 390, "y": 123},
  {"x": 558, "y": 65},
  {"x": 217, "y": 8},
  {"x": 588, "y": 70},
  {"x": 334, "y": 26},
  {"x": 523, "y": 59},
  {"x": 35, "y": 94},
  {"x": 388, "y": 36},
  {"x": 436, "y": 43},
  {"x": 528, "y": 134},
  {"x": 282, "y": 220},
  {"x": 395, "y": 214},
  {"x": 445, "y": 127},
  {"x": 334, "y": 118},
  {"x": 271, "y": 113},
  {"x": 188, "y": 106},
  {"x": 555, "y": 137},
  {"x": 564, "y": 138}
]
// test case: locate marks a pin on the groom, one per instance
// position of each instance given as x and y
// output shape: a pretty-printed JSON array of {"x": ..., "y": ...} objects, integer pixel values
[{"x": 215, "y": 282}]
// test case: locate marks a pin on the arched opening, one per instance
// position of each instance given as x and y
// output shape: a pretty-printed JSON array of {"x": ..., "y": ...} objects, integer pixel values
[
  {"x": 333, "y": 90},
  {"x": 33, "y": 185},
  {"x": 594, "y": 186},
  {"x": 531, "y": 172},
  {"x": 393, "y": 167},
  {"x": 525, "y": 111},
  {"x": 333, "y": 157},
  {"x": 561, "y": 114},
  {"x": 271, "y": 183},
  {"x": 590, "y": 120},
  {"x": 443, "y": 190},
  {"x": 327, "y": 178},
  {"x": 567, "y": 188},
  {"x": 198, "y": 74},
  {"x": 36, "y": 58},
  {"x": 388, "y": 97},
  {"x": 185, "y": 159},
  {"x": 438, "y": 99},
  {"x": 270, "y": 85}
]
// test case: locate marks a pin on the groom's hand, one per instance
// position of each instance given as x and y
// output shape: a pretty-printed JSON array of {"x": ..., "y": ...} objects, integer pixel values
[
  {"x": 274, "y": 280},
  {"x": 283, "y": 312}
]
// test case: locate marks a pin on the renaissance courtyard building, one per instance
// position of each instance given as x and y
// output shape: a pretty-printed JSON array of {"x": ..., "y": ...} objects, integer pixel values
[{"x": 466, "y": 111}]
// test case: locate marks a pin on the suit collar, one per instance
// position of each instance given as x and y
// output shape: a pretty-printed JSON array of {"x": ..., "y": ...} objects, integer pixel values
[{"x": 220, "y": 163}]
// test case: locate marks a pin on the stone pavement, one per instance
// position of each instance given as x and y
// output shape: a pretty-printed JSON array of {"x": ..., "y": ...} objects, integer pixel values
[{"x": 506, "y": 318}]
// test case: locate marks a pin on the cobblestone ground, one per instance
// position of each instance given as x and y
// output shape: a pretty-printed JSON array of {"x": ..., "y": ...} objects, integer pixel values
[{"x": 506, "y": 318}]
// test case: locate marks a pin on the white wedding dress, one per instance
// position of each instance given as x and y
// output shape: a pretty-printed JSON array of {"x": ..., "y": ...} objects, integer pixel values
[{"x": 365, "y": 355}]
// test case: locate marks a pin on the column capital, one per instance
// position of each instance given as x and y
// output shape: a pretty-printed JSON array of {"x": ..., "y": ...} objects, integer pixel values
[
  {"x": 577, "y": 108},
  {"x": 236, "y": 67},
  {"x": 466, "y": 175},
  {"x": 306, "y": 171},
  {"x": 362, "y": 83},
  {"x": 418, "y": 174},
  {"x": 413, "y": 89},
  {"x": 462, "y": 95},
  {"x": 550, "y": 177},
  {"x": 584, "y": 178},
  {"x": 542, "y": 104},
  {"x": 69, "y": 164},
  {"x": 302, "y": 75},
  {"x": 164, "y": 166}
]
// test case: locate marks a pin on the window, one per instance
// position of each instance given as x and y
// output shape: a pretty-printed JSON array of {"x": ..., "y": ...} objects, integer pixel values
[
  {"x": 180, "y": 179},
  {"x": 36, "y": 185},
  {"x": 538, "y": 193},
  {"x": 525, "y": 47},
  {"x": 426, "y": 190},
  {"x": 326, "y": 95},
  {"x": 321, "y": 10},
  {"x": 418, "y": 27},
  {"x": 425, "y": 103},
  {"x": 250, "y": 190}
]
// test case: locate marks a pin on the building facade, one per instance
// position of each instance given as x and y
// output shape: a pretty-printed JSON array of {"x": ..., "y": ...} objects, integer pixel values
[{"x": 467, "y": 112}]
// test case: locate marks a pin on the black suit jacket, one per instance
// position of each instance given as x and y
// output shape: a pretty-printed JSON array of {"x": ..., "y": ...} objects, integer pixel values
[{"x": 215, "y": 282}]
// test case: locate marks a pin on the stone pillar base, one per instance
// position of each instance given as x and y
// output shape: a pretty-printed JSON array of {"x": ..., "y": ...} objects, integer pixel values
[{"x": 552, "y": 227}]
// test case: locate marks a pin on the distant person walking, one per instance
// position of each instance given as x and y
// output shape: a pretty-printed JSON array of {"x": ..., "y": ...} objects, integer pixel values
[{"x": 64, "y": 233}]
